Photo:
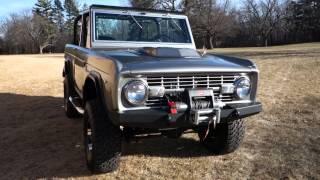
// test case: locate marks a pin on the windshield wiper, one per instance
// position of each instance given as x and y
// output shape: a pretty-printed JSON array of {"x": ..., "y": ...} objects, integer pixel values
[
  {"x": 174, "y": 22},
  {"x": 178, "y": 26},
  {"x": 135, "y": 20}
]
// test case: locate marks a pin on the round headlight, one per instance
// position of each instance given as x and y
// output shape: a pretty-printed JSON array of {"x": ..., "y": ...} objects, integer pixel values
[
  {"x": 242, "y": 87},
  {"x": 136, "y": 92}
]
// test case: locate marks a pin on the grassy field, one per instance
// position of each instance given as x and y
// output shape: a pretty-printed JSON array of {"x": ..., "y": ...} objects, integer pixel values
[{"x": 283, "y": 142}]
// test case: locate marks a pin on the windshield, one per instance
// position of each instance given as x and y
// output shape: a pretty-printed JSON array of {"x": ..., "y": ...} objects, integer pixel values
[{"x": 115, "y": 27}]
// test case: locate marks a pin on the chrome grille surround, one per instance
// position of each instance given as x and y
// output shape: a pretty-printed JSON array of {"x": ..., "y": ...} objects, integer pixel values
[{"x": 181, "y": 82}]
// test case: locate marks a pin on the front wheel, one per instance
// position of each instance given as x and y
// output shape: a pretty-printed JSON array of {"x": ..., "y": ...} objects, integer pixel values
[
  {"x": 225, "y": 138},
  {"x": 102, "y": 140}
]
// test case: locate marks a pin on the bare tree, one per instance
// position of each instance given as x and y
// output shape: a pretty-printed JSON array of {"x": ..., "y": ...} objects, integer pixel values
[
  {"x": 209, "y": 19},
  {"x": 262, "y": 17},
  {"x": 42, "y": 32},
  {"x": 170, "y": 5},
  {"x": 16, "y": 38}
]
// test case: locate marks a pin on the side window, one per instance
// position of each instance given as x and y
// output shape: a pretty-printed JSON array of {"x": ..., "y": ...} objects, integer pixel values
[
  {"x": 84, "y": 31},
  {"x": 88, "y": 39},
  {"x": 78, "y": 32}
]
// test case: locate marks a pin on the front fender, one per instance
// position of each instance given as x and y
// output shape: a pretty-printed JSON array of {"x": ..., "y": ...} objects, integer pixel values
[{"x": 95, "y": 79}]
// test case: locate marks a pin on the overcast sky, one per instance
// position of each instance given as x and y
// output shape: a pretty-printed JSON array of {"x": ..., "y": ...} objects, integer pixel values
[{"x": 15, "y": 6}]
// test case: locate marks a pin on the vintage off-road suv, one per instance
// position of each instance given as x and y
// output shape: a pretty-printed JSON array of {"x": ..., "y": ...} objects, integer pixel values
[{"x": 135, "y": 71}]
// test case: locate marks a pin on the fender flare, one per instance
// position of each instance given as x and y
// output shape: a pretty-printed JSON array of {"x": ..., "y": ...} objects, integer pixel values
[
  {"x": 97, "y": 82},
  {"x": 99, "y": 86},
  {"x": 96, "y": 78}
]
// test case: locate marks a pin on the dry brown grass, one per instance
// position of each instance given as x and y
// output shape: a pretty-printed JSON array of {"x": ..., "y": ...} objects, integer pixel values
[{"x": 37, "y": 140}]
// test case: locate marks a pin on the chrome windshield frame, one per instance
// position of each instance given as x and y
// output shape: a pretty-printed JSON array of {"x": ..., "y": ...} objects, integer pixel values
[{"x": 105, "y": 44}]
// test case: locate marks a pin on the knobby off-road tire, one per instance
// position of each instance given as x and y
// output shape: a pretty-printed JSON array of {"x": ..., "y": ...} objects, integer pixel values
[
  {"x": 226, "y": 138},
  {"x": 68, "y": 91},
  {"x": 102, "y": 140}
]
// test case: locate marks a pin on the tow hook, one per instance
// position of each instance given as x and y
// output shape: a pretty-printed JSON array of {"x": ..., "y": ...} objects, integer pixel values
[
  {"x": 173, "y": 107},
  {"x": 172, "y": 112}
]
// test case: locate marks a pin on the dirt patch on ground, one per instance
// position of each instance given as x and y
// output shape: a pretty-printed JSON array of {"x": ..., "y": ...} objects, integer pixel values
[{"x": 38, "y": 141}]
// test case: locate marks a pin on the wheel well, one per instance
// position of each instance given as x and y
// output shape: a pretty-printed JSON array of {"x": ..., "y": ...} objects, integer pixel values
[{"x": 89, "y": 90}]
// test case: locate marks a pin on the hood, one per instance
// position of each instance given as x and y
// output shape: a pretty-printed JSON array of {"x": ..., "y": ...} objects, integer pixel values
[{"x": 174, "y": 61}]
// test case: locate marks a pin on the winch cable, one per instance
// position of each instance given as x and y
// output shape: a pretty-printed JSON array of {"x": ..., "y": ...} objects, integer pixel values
[
  {"x": 237, "y": 115},
  {"x": 208, "y": 130},
  {"x": 201, "y": 104}
]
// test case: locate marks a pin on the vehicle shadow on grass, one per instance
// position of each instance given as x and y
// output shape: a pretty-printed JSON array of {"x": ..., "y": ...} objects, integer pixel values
[
  {"x": 166, "y": 147},
  {"x": 38, "y": 141}
]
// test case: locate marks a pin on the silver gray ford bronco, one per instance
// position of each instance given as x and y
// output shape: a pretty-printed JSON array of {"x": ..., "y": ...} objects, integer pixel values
[{"x": 135, "y": 71}]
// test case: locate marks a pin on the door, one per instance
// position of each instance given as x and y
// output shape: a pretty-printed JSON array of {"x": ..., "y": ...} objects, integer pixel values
[{"x": 80, "y": 60}]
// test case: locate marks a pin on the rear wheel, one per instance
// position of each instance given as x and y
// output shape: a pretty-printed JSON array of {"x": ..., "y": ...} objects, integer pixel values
[
  {"x": 225, "y": 138},
  {"x": 102, "y": 140},
  {"x": 69, "y": 109}
]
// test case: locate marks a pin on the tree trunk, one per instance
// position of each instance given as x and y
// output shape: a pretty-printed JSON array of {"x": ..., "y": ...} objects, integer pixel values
[
  {"x": 266, "y": 42},
  {"x": 210, "y": 42},
  {"x": 43, "y": 46},
  {"x": 41, "y": 49},
  {"x": 204, "y": 42}
]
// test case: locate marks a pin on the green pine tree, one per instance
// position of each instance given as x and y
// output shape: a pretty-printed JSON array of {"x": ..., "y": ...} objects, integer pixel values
[
  {"x": 84, "y": 7},
  {"x": 72, "y": 11},
  {"x": 43, "y": 8},
  {"x": 57, "y": 13},
  {"x": 306, "y": 19}
]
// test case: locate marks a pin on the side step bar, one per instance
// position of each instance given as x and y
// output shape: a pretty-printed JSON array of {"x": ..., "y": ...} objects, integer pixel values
[{"x": 76, "y": 104}]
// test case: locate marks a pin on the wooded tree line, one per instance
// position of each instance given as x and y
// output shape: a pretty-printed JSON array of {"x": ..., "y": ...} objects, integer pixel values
[
  {"x": 215, "y": 23},
  {"x": 47, "y": 28},
  {"x": 218, "y": 23}
]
